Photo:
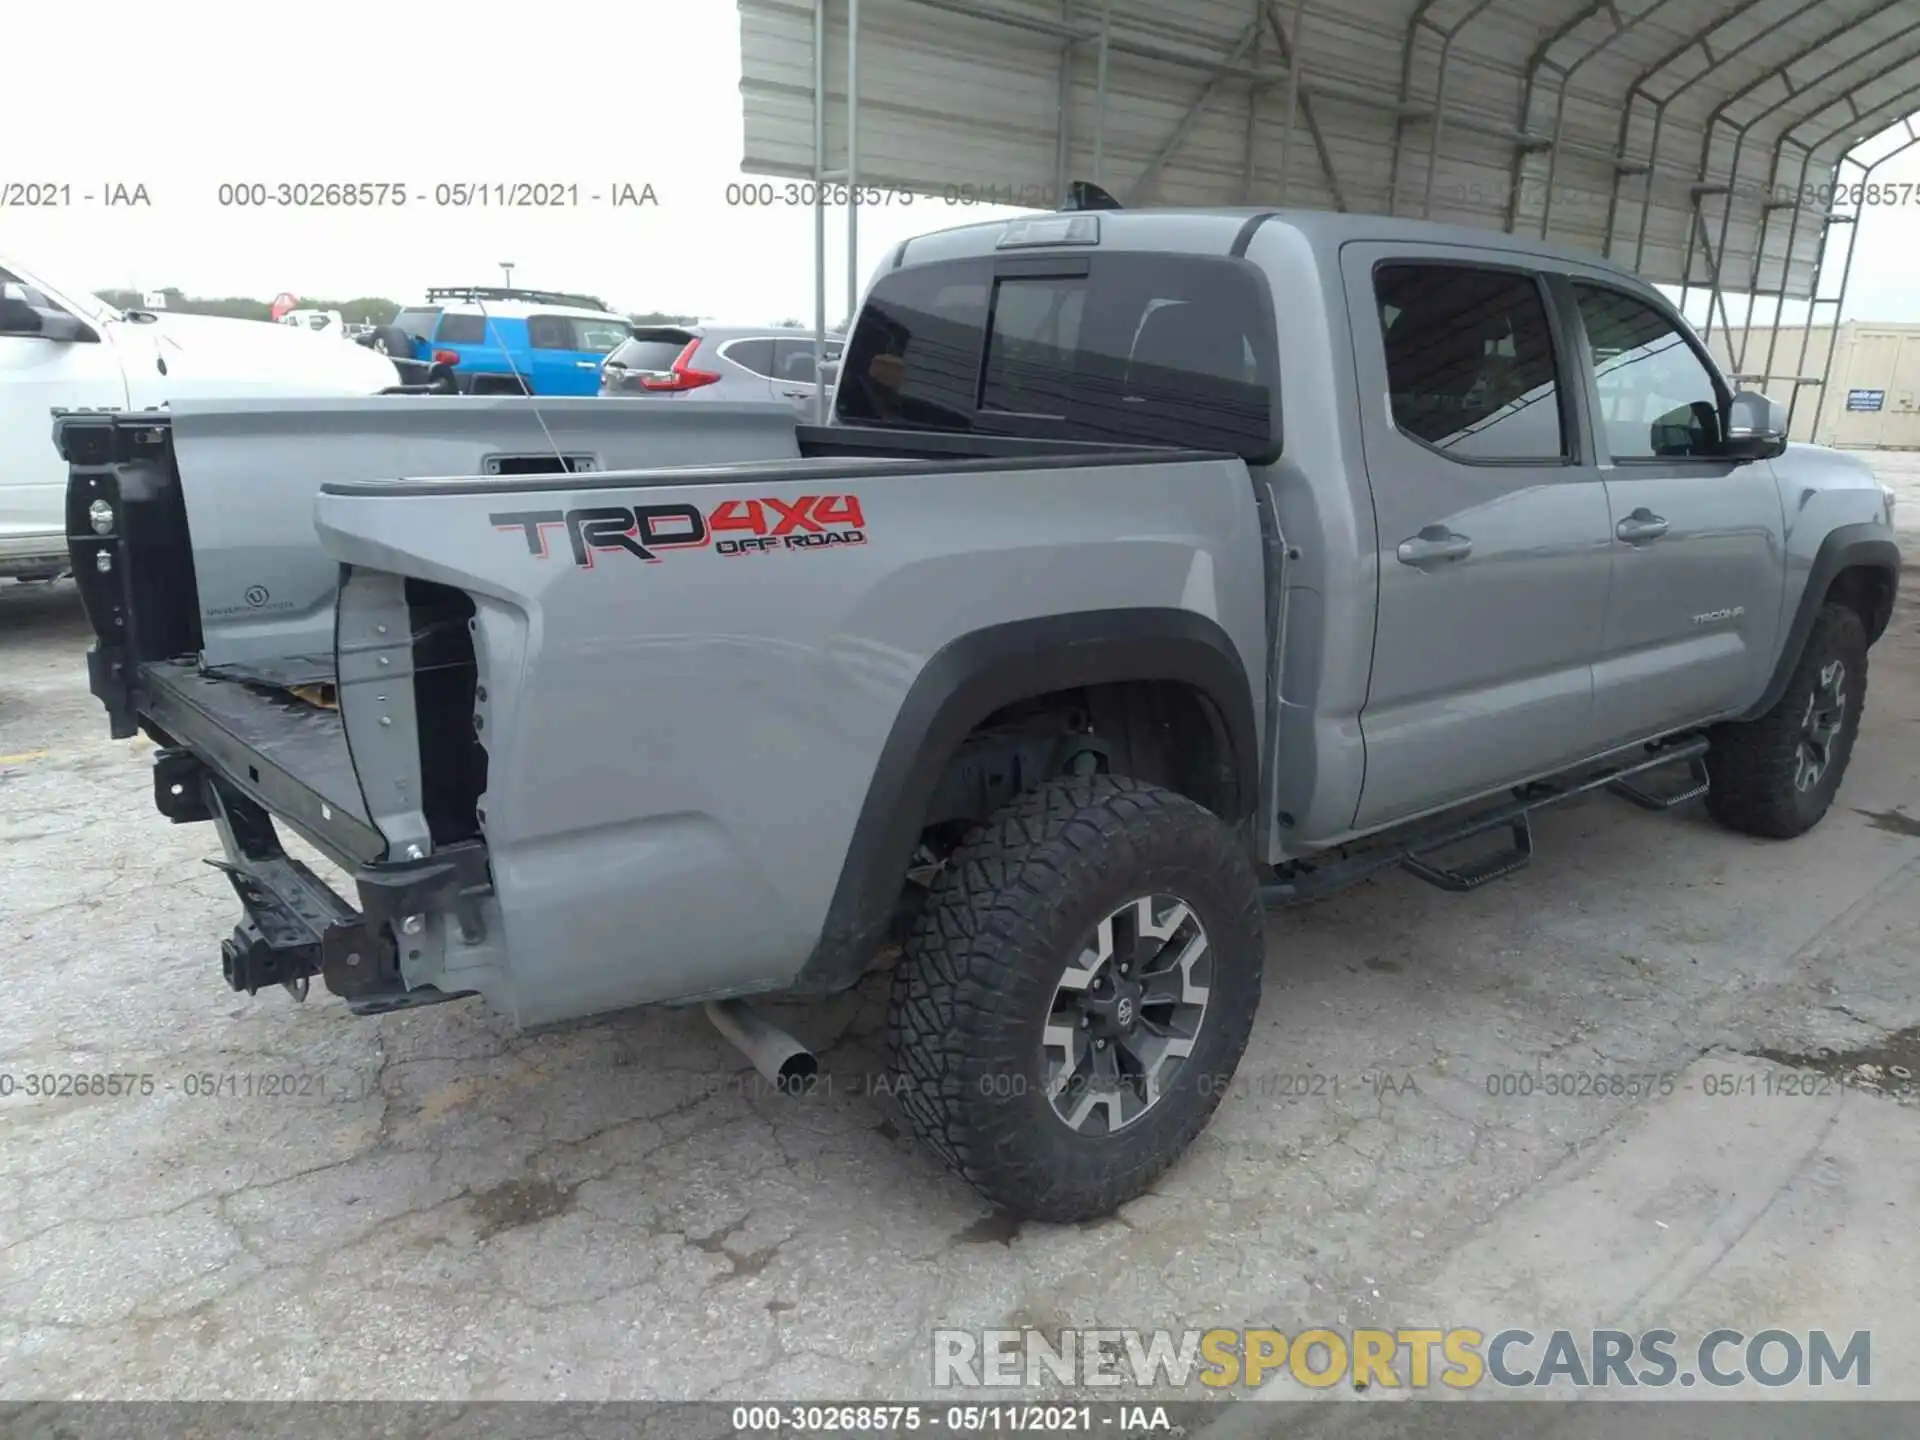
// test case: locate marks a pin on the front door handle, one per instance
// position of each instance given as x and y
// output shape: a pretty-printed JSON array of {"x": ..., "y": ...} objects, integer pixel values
[
  {"x": 1640, "y": 526},
  {"x": 587, "y": 364},
  {"x": 1434, "y": 545}
]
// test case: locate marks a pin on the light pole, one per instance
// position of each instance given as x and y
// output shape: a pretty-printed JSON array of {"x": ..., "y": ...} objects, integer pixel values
[{"x": 506, "y": 269}]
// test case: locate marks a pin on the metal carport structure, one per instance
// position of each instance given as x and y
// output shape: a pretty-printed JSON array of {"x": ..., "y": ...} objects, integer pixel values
[{"x": 1705, "y": 143}]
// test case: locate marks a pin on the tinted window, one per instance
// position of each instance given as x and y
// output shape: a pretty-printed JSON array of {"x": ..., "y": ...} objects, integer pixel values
[
  {"x": 1141, "y": 349},
  {"x": 1033, "y": 344},
  {"x": 463, "y": 329},
  {"x": 1657, "y": 397},
  {"x": 418, "y": 321},
  {"x": 754, "y": 355},
  {"x": 794, "y": 358},
  {"x": 572, "y": 332},
  {"x": 598, "y": 337},
  {"x": 17, "y": 289},
  {"x": 1470, "y": 362},
  {"x": 650, "y": 350}
]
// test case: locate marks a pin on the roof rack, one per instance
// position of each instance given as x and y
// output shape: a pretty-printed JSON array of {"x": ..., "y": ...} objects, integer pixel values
[{"x": 534, "y": 297}]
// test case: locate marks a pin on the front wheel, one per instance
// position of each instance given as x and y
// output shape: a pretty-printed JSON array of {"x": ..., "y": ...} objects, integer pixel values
[
  {"x": 1776, "y": 776},
  {"x": 1075, "y": 996}
]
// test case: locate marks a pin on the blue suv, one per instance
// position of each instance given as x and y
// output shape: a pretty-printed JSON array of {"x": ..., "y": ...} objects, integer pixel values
[{"x": 509, "y": 341}]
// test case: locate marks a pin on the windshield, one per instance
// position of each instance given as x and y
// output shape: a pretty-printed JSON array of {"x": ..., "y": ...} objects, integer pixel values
[{"x": 75, "y": 297}]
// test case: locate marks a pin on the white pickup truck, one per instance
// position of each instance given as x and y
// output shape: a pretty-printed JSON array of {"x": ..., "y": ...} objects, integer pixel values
[{"x": 63, "y": 348}]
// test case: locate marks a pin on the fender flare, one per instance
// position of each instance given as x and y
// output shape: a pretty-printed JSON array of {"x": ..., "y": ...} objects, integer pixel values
[
  {"x": 970, "y": 678},
  {"x": 1845, "y": 548}
]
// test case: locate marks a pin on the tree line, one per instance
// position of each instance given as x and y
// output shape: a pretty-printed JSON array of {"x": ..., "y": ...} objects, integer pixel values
[{"x": 361, "y": 310}]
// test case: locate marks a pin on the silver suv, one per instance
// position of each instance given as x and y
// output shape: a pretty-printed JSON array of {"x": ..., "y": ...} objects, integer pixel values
[{"x": 714, "y": 362}]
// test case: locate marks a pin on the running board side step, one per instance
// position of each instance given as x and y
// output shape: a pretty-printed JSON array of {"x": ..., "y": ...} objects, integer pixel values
[
  {"x": 1493, "y": 866},
  {"x": 1696, "y": 786},
  {"x": 1308, "y": 881}
]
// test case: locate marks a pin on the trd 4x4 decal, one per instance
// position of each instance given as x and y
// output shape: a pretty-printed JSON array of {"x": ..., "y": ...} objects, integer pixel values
[{"x": 733, "y": 527}]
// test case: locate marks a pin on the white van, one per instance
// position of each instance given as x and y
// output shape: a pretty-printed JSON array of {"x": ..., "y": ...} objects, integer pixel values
[{"x": 61, "y": 348}]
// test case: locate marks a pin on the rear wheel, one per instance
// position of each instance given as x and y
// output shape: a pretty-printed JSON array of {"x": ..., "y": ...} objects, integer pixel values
[
  {"x": 1076, "y": 994},
  {"x": 1776, "y": 776}
]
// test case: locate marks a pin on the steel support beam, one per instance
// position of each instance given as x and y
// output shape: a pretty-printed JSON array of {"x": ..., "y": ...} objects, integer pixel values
[
  {"x": 1567, "y": 73},
  {"x": 1636, "y": 90},
  {"x": 1717, "y": 117},
  {"x": 1100, "y": 95},
  {"x": 1063, "y": 107},
  {"x": 1299, "y": 92},
  {"x": 1409, "y": 39},
  {"x": 1250, "y": 153},
  {"x": 1537, "y": 59},
  {"x": 1119, "y": 44},
  {"x": 1443, "y": 74},
  {"x": 1773, "y": 201},
  {"x": 1846, "y": 274},
  {"x": 819, "y": 208},
  {"x": 853, "y": 161},
  {"x": 1900, "y": 106},
  {"x": 1195, "y": 112}
]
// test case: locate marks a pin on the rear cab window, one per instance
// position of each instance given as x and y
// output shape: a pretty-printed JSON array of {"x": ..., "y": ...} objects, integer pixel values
[{"x": 1136, "y": 348}]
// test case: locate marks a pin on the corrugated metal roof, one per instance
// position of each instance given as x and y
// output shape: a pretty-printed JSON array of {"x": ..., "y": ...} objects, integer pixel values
[{"x": 1592, "y": 122}]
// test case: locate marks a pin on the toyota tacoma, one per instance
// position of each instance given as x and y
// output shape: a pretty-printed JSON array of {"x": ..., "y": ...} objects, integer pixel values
[{"x": 1156, "y": 568}]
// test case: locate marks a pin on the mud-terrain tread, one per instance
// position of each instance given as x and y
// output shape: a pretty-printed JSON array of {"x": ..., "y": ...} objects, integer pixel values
[
  {"x": 1750, "y": 763},
  {"x": 984, "y": 937}
]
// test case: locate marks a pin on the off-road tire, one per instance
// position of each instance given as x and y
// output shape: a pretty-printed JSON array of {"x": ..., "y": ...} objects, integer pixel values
[
  {"x": 391, "y": 341},
  {"x": 1751, "y": 764},
  {"x": 972, "y": 992}
]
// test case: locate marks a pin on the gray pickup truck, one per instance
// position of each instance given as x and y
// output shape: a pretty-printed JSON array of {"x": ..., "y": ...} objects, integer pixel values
[{"x": 1158, "y": 567}]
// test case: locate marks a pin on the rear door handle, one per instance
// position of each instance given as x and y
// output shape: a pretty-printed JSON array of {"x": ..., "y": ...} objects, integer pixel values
[
  {"x": 588, "y": 364},
  {"x": 1641, "y": 525},
  {"x": 1434, "y": 545}
]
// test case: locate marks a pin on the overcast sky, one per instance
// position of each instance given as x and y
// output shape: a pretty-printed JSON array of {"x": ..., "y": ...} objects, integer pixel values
[{"x": 185, "y": 96}]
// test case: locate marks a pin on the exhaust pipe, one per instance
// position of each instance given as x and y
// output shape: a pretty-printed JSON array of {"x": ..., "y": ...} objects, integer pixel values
[{"x": 784, "y": 1061}]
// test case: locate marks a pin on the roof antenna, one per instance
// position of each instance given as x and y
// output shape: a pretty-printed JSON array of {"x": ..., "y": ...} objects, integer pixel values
[
  {"x": 1085, "y": 195},
  {"x": 525, "y": 384}
]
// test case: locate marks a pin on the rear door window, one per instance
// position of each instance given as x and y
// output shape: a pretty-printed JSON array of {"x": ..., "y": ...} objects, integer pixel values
[
  {"x": 794, "y": 358},
  {"x": 573, "y": 332},
  {"x": 1134, "y": 348},
  {"x": 755, "y": 355},
  {"x": 597, "y": 337},
  {"x": 1471, "y": 369}
]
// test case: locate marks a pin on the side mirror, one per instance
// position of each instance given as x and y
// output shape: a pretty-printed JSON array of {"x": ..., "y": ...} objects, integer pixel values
[
  {"x": 829, "y": 372},
  {"x": 1756, "y": 427},
  {"x": 17, "y": 317}
]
